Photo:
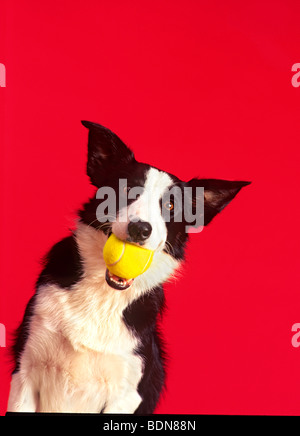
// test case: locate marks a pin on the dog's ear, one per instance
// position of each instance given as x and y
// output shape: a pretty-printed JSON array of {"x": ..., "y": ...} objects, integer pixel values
[
  {"x": 217, "y": 194},
  {"x": 105, "y": 149}
]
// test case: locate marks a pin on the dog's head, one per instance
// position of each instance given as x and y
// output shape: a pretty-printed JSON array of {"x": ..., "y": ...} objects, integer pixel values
[{"x": 144, "y": 205}]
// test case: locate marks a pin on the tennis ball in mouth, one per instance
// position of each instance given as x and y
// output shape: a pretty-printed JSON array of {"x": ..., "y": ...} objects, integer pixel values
[{"x": 124, "y": 259}]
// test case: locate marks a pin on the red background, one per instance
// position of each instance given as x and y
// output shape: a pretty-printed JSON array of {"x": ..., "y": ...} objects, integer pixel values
[{"x": 196, "y": 88}]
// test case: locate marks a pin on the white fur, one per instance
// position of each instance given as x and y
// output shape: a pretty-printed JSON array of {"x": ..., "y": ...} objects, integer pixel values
[
  {"x": 79, "y": 356},
  {"x": 147, "y": 208}
]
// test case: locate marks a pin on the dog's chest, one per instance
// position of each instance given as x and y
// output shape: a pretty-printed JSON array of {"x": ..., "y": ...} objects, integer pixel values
[{"x": 80, "y": 340}]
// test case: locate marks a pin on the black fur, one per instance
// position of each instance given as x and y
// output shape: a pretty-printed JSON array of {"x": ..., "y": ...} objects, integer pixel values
[
  {"x": 105, "y": 149},
  {"x": 217, "y": 194},
  {"x": 62, "y": 265},
  {"x": 141, "y": 318},
  {"x": 135, "y": 174},
  {"x": 22, "y": 333}
]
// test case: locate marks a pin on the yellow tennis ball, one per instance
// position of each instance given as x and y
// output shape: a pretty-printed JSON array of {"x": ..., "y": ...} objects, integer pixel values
[{"x": 126, "y": 260}]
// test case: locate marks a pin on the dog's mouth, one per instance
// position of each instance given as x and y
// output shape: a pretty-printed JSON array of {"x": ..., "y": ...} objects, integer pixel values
[{"x": 116, "y": 282}]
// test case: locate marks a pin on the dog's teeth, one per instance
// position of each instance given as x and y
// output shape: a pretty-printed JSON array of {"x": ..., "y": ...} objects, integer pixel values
[{"x": 119, "y": 283}]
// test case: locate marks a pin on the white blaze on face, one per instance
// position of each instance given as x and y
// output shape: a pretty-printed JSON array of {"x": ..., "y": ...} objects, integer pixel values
[{"x": 147, "y": 208}]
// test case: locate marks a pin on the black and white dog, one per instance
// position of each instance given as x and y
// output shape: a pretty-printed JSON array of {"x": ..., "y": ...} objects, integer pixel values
[{"x": 88, "y": 342}]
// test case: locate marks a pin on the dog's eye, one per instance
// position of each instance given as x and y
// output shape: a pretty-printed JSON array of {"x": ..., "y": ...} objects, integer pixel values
[{"x": 169, "y": 205}]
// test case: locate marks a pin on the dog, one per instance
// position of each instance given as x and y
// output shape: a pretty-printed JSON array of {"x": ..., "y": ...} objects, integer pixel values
[{"x": 89, "y": 341}]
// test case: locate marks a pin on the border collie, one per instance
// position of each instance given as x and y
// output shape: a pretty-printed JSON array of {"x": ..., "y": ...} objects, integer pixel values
[{"x": 89, "y": 341}]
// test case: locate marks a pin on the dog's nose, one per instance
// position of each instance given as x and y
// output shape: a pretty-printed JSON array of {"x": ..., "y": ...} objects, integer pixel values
[{"x": 139, "y": 230}]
